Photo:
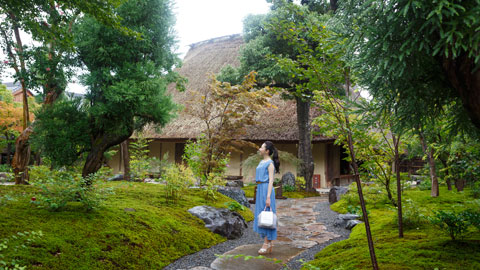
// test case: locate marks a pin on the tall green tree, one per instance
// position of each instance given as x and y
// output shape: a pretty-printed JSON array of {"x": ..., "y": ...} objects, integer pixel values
[
  {"x": 267, "y": 45},
  {"x": 45, "y": 64},
  {"x": 127, "y": 78}
]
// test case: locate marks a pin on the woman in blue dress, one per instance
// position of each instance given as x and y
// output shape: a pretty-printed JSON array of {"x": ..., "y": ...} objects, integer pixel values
[{"x": 265, "y": 197}]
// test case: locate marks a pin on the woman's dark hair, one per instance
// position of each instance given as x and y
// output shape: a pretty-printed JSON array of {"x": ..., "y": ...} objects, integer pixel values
[{"x": 272, "y": 151}]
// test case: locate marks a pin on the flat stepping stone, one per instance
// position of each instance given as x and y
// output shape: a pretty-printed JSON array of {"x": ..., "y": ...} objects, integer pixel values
[{"x": 283, "y": 251}]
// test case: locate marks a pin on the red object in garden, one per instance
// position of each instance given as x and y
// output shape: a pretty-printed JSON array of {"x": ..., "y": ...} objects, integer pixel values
[{"x": 34, "y": 199}]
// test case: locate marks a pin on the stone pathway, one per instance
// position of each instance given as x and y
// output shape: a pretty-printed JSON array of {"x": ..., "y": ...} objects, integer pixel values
[{"x": 298, "y": 231}]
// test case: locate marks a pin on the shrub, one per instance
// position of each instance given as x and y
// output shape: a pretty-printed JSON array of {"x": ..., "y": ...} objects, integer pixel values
[
  {"x": 15, "y": 242},
  {"x": 300, "y": 183},
  {"x": 213, "y": 181},
  {"x": 412, "y": 215},
  {"x": 60, "y": 188},
  {"x": 455, "y": 224},
  {"x": 139, "y": 159},
  {"x": 199, "y": 156},
  {"x": 40, "y": 174},
  {"x": 234, "y": 206},
  {"x": 288, "y": 188},
  {"x": 177, "y": 179},
  {"x": 473, "y": 218},
  {"x": 5, "y": 168},
  {"x": 476, "y": 189},
  {"x": 425, "y": 185}
]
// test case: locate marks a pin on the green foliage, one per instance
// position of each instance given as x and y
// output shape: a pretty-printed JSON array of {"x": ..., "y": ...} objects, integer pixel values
[
  {"x": 20, "y": 240},
  {"x": 139, "y": 159},
  {"x": 401, "y": 66},
  {"x": 225, "y": 110},
  {"x": 425, "y": 185},
  {"x": 455, "y": 224},
  {"x": 300, "y": 183},
  {"x": 5, "y": 168},
  {"x": 126, "y": 79},
  {"x": 413, "y": 215},
  {"x": 178, "y": 178},
  {"x": 288, "y": 188},
  {"x": 234, "y": 206},
  {"x": 354, "y": 210},
  {"x": 476, "y": 190},
  {"x": 60, "y": 132},
  {"x": 152, "y": 237},
  {"x": 5, "y": 94},
  {"x": 212, "y": 183},
  {"x": 58, "y": 188},
  {"x": 195, "y": 156}
]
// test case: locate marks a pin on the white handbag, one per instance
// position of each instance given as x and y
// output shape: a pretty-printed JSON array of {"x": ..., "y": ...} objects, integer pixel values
[{"x": 267, "y": 219}]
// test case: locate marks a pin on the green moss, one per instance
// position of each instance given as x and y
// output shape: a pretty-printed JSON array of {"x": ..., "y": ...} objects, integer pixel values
[
  {"x": 421, "y": 248},
  {"x": 151, "y": 237},
  {"x": 299, "y": 194}
]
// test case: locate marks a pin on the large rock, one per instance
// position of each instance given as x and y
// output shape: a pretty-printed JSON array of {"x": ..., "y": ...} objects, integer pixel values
[
  {"x": 342, "y": 219},
  {"x": 352, "y": 223},
  {"x": 116, "y": 177},
  {"x": 288, "y": 179},
  {"x": 3, "y": 176},
  {"x": 220, "y": 220},
  {"x": 336, "y": 193},
  {"x": 234, "y": 183},
  {"x": 235, "y": 193}
]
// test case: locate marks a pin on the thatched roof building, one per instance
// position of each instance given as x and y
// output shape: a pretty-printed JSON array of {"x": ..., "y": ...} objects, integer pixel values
[{"x": 209, "y": 57}]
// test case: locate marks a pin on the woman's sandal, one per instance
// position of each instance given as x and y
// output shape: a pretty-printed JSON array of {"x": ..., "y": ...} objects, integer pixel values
[{"x": 266, "y": 250}]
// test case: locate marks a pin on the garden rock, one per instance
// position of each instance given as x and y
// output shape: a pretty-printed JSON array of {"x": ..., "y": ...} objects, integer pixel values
[
  {"x": 220, "y": 220},
  {"x": 352, "y": 223},
  {"x": 116, "y": 177},
  {"x": 343, "y": 219},
  {"x": 3, "y": 176},
  {"x": 234, "y": 183},
  {"x": 235, "y": 193},
  {"x": 288, "y": 179},
  {"x": 336, "y": 193}
]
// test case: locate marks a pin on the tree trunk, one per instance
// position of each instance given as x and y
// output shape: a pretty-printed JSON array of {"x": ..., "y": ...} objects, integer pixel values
[
  {"x": 396, "y": 142},
  {"x": 333, "y": 5},
  {"x": 126, "y": 160},
  {"x": 460, "y": 184},
  {"x": 21, "y": 157},
  {"x": 304, "y": 142},
  {"x": 460, "y": 72},
  {"x": 447, "y": 173},
  {"x": 371, "y": 248},
  {"x": 431, "y": 162},
  {"x": 95, "y": 158}
]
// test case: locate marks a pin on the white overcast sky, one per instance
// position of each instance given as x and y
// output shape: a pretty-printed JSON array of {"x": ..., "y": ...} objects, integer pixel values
[{"x": 197, "y": 20}]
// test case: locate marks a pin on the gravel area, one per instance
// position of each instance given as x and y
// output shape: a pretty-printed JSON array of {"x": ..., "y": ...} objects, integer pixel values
[
  {"x": 206, "y": 256},
  {"x": 327, "y": 217}
]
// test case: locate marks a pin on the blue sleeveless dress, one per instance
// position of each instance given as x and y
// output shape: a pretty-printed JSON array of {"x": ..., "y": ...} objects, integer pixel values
[{"x": 261, "y": 175}]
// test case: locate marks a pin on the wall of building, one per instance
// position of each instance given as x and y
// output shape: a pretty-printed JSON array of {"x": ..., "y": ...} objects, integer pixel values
[{"x": 158, "y": 149}]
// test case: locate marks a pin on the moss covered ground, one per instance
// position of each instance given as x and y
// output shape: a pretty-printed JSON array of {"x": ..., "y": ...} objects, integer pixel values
[
  {"x": 423, "y": 246},
  {"x": 151, "y": 237}
]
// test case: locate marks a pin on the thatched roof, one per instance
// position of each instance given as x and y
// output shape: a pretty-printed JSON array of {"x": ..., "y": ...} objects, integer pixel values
[{"x": 209, "y": 57}]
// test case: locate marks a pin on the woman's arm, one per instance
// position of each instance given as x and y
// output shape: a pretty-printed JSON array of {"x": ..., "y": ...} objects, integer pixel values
[{"x": 271, "y": 171}]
